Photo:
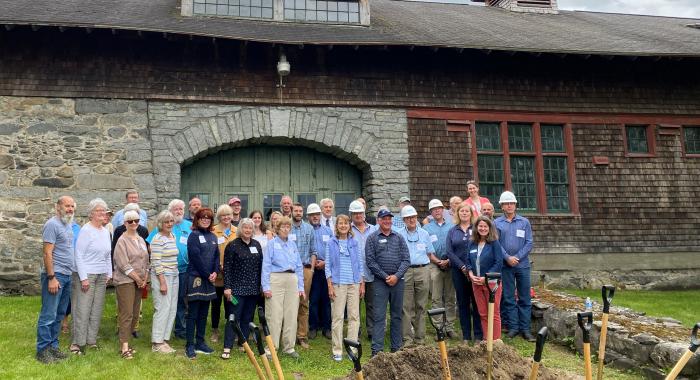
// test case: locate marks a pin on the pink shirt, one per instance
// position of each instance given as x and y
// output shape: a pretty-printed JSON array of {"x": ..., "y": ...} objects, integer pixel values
[{"x": 475, "y": 208}]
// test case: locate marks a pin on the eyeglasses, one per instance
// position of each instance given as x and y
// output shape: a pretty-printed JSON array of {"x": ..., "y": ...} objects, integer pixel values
[
  {"x": 133, "y": 221},
  {"x": 205, "y": 218}
]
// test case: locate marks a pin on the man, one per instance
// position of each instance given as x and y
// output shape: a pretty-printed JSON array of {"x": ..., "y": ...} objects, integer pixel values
[
  {"x": 398, "y": 222},
  {"x": 443, "y": 290},
  {"x": 181, "y": 231},
  {"x": 361, "y": 229},
  {"x": 515, "y": 236},
  {"x": 368, "y": 218},
  {"x": 319, "y": 302},
  {"x": 57, "y": 235},
  {"x": 447, "y": 214},
  {"x": 303, "y": 235},
  {"x": 327, "y": 218},
  {"x": 235, "y": 204},
  {"x": 193, "y": 206},
  {"x": 286, "y": 206},
  {"x": 417, "y": 278},
  {"x": 388, "y": 259},
  {"x": 132, "y": 196},
  {"x": 487, "y": 210}
]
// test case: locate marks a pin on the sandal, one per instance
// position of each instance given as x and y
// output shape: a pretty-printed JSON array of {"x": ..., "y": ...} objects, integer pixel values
[
  {"x": 128, "y": 354},
  {"x": 94, "y": 346},
  {"x": 226, "y": 355},
  {"x": 75, "y": 349}
]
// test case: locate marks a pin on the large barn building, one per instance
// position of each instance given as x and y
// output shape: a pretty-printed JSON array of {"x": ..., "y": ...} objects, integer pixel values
[{"x": 592, "y": 119}]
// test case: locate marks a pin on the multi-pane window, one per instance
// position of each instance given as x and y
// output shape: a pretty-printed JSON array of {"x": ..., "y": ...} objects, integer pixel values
[
  {"x": 343, "y": 12},
  {"x": 637, "y": 141},
  {"x": 536, "y": 171},
  {"x": 342, "y": 202},
  {"x": 271, "y": 202},
  {"x": 691, "y": 138},
  {"x": 306, "y": 199},
  {"x": 236, "y": 8},
  {"x": 204, "y": 197},
  {"x": 245, "y": 201}
]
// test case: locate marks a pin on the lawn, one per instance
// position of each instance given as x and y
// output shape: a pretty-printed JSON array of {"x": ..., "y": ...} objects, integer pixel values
[
  {"x": 683, "y": 305},
  {"x": 18, "y": 334}
]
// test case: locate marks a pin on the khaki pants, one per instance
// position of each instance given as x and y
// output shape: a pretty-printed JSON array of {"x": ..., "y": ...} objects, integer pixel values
[
  {"x": 164, "y": 307},
  {"x": 281, "y": 310},
  {"x": 443, "y": 295},
  {"x": 87, "y": 308},
  {"x": 303, "y": 315},
  {"x": 129, "y": 305},
  {"x": 345, "y": 296},
  {"x": 415, "y": 299}
]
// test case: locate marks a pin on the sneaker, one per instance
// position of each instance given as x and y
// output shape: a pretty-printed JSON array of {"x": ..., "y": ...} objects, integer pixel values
[
  {"x": 328, "y": 334},
  {"x": 528, "y": 336},
  {"x": 338, "y": 358},
  {"x": 189, "y": 351},
  {"x": 163, "y": 348},
  {"x": 214, "y": 335},
  {"x": 312, "y": 334},
  {"x": 202, "y": 348},
  {"x": 57, "y": 354},
  {"x": 512, "y": 334},
  {"x": 304, "y": 344},
  {"x": 44, "y": 356},
  {"x": 293, "y": 354}
]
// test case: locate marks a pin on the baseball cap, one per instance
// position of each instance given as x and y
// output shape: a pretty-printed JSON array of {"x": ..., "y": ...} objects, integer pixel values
[
  {"x": 233, "y": 200},
  {"x": 384, "y": 212},
  {"x": 404, "y": 199}
]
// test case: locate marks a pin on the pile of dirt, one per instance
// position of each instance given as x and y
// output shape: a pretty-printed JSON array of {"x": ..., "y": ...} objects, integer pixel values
[{"x": 466, "y": 362}]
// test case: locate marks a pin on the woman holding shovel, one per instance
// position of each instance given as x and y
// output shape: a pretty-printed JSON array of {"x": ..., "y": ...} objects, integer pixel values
[{"x": 485, "y": 256}]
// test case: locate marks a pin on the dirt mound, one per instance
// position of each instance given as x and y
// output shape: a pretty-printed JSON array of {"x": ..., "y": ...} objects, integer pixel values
[{"x": 466, "y": 362}]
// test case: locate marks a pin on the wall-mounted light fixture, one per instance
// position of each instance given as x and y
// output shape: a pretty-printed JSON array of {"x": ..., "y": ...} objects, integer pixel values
[{"x": 283, "y": 69}]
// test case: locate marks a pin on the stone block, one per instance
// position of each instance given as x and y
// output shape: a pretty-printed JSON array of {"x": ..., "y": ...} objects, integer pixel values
[
  {"x": 6, "y": 161},
  {"x": 53, "y": 182},
  {"x": 102, "y": 106},
  {"x": 9, "y": 128},
  {"x": 116, "y": 132},
  {"x": 104, "y": 181},
  {"x": 666, "y": 354}
]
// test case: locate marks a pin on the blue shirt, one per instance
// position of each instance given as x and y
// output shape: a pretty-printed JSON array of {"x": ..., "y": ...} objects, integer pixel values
[
  {"x": 489, "y": 260},
  {"x": 515, "y": 238},
  {"x": 457, "y": 243},
  {"x": 181, "y": 231},
  {"x": 361, "y": 239},
  {"x": 303, "y": 237},
  {"x": 61, "y": 236},
  {"x": 387, "y": 254},
  {"x": 397, "y": 223},
  {"x": 344, "y": 265},
  {"x": 118, "y": 218},
  {"x": 76, "y": 231},
  {"x": 419, "y": 245},
  {"x": 281, "y": 256},
  {"x": 322, "y": 235},
  {"x": 438, "y": 236}
]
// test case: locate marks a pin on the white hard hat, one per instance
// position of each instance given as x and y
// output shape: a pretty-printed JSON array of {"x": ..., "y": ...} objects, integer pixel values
[
  {"x": 408, "y": 211},
  {"x": 507, "y": 197},
  {"x": 435, "y": 203},
  {"x": 313, "y": 208},
  {"x": 356, "y": 206}
]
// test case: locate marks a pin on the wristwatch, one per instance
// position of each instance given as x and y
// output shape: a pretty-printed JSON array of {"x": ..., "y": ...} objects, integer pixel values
[{"x": 50, "y": 276}]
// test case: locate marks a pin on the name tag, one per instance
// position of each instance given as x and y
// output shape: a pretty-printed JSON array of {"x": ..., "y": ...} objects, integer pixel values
[
  {"x": 465, "y": 237},
  {"x": 382, "y": 241},
  {"x": 202, "y": 239},
  {"x": 183, "y": 240},
  {"x": 293, "y": 237},
  {"x": 143, "y": 247},
  {"x": 253, "y": 250},
  {"x": 520, "y": 233},
  {"x": 420, "y": 246},
  {"x": 326, "y": 238},
  {"x": 472, "y": 251},
  {"x": 278, "y": 246},
  {"x": 220, "y": 240},
  {"x": 433, "y": 238}
]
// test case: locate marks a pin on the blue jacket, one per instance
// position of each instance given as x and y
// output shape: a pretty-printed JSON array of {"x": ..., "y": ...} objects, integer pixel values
[
  {"x": 203, "y": 252},
  {"x": 333, "y": 260},
  {"x": 491, "y": 259}
]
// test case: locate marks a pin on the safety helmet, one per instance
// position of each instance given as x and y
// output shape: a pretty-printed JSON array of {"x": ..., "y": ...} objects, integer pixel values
[
  {"x": 356, "y": 206},
  {"x": 507, "y": 197},
  {"x": 435, "y": 203},
  {"x": 408, "y": 211},
  {"x": 313, "y": 208}
]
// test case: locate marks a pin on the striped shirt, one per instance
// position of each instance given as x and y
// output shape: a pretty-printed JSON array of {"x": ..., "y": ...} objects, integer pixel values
[
  {"x": 346, "y": 274},
  {"x": 361, "y": 239},
  {"x": 164, "y": 254},
  {"x": 387, "y": 254}
]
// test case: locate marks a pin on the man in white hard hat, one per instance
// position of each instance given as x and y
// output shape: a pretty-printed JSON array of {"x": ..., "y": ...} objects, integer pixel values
[
  {"x": 319, "y": 301},
  {"x": 360, "y": 231},
  {"x": 443, "y": 289},
  {"x": 397, "y": 222},
  {"x": 417, "y": 277},
  {"x": 303, "y": 235},
  {"x": 515, "y": 236}
]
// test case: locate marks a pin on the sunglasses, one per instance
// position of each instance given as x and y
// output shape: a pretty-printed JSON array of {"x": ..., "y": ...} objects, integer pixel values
[{"x": 133, "y": 221}]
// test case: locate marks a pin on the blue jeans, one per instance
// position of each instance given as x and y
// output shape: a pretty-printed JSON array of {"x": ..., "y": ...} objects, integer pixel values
[
  {"x": 197, "y": 312},
  {"x": 319, "y": 303},
  {"x": 516, "y": 316},
  {"x": 180, "y": 324},
  {"x": 244, "y": 312},
  {"x": 382, "y": 294},
  {"x": 53, "y": 310},
  {"x": 466, "y": 305}
]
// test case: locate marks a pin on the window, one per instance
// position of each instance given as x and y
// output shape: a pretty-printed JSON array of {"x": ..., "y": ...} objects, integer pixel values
[
  {"x": 691, "y": 139},
  {"x": 342, "y": 202},
  {"x": 271, "y": 202},
  {"x": 237, "y": 8},
  {"x": 204, "y": 197},
  {"x": 639, "y": 140},
  {"x": 306, "y": 199},
  {"x": 245, "y": 199},
  {"x": 343, "y": 12},
  {"x": 332, "y": 11},
  {"x": 532, "y": 159}
]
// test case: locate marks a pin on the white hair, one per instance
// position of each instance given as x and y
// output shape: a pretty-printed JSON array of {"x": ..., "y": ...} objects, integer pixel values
[
  {"x": 162, "y": 217},
  {"x": 132, "y": 207},
  {"x": 246, "y": 221},
  {"x": 95, "y": 203},
  {"x": 131, "y": 215},
  {"x": 326, "y": 200},
  {"x": 176, "y": 202}
]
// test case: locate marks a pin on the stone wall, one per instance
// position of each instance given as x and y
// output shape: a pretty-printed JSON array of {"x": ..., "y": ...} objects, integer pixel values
[{"x": 50, "y": 147}]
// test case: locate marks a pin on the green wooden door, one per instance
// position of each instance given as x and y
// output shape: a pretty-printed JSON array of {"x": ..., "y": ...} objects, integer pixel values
[{"x": 260, "y": 175}]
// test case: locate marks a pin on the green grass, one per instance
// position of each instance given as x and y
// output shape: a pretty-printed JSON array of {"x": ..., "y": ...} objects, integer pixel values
[
  {"x": 682, "y": 305},
  {"x": 18, "y": 334}
]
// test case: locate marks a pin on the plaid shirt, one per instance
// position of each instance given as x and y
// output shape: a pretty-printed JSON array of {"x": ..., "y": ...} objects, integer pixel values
[{"x": 305, "y": 241}]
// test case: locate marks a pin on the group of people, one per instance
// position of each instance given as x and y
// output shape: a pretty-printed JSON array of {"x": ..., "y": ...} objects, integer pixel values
[{"x": 310, "y": 275}]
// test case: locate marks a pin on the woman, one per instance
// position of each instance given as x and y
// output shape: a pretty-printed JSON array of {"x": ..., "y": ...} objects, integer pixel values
[
  {"x": 225, "y": 233},
  {"x": 261, "y": 232},
  {"x": 485, "y": 256},
  {"x": 282, "y": 283},
  {"x": 457, "y": 244},
  {"x": 242, "y": 269},
  {"x": 165, "y": 282},
  {"x": 474, "y": 200},
  {"x": 203, "y": 252},
  {"x": 93, "y": 268},
  {"x": 274, "y": 219},
  {"x": 130, "y": 277},
  {"x": 344, "y": 273}
]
